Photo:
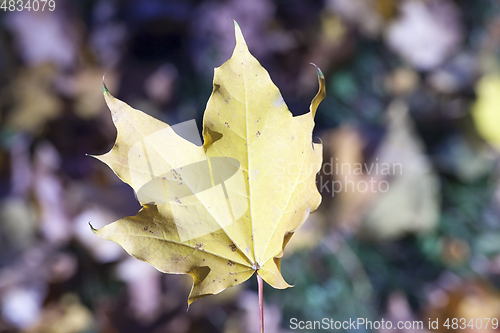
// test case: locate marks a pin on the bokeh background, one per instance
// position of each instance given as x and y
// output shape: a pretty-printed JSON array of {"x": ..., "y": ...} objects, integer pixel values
[{"x": 414, "y": 82}]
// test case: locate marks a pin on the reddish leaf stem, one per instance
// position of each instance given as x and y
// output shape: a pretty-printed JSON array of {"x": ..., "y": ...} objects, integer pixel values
[{"x": 261, "y": 301}]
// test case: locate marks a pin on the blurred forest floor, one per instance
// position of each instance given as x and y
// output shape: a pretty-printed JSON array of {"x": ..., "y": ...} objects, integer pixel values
[{"x": 409, "y": 225}]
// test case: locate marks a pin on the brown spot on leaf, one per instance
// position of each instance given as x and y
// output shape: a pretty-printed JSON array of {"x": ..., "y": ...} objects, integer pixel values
[
  {"x": 258, "y": 133},
  {"x": 145, "y": 229},
  {"x": 215, "y": 136},
  {"x": 233, "y": 247},
  {"x": 230, "y": 263}
]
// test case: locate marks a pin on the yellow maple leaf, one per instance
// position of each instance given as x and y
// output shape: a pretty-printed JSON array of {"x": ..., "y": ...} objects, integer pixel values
[{"x": 225, "y": 210}]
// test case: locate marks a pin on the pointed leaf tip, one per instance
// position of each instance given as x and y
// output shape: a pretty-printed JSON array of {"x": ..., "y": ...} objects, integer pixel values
[
  {"x": 92, "y": 228},
  {"x": 321, "y": 91},
  {"x": 240, "y": 40},
  {"x": 91, "y": 155},
  {"x": 320, "y": 73},
  {"x": 104, "y": 88}
]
